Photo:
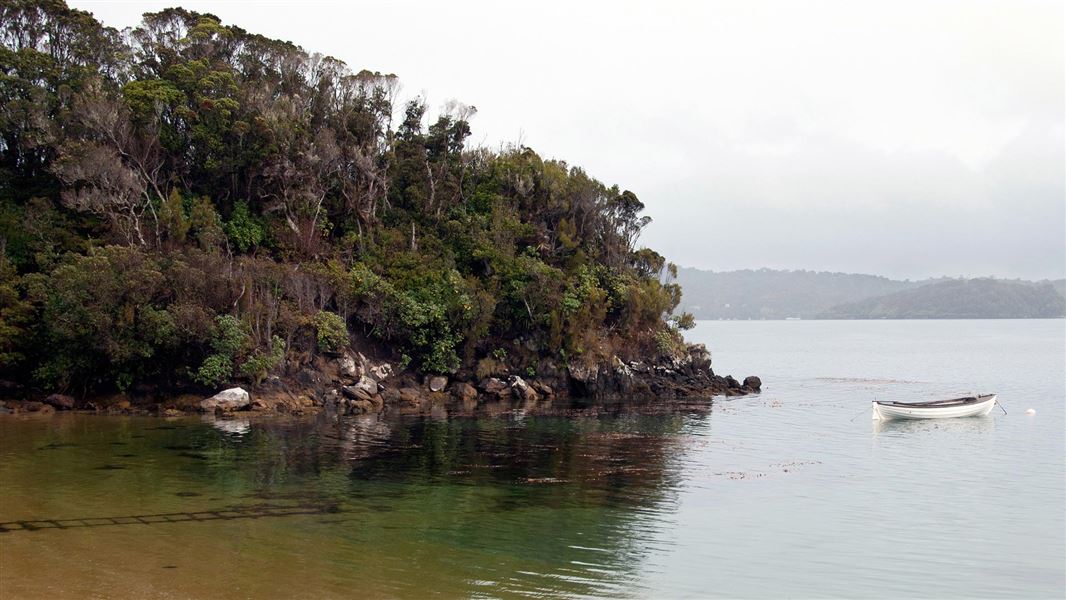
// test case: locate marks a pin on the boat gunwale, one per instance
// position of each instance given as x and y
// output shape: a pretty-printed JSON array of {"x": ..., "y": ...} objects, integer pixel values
[{"x": 965, "y": 401}]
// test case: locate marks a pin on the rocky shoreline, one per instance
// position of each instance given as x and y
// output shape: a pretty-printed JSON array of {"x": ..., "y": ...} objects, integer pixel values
[{"x": 350, "y": 383}]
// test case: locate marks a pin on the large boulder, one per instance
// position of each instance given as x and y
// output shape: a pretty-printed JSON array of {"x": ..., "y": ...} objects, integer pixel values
[
  {"x": 494, "y": 387},
  {"x": 348, "y": 367},
  {"x": 464, "y": 391},
  {"x": 543, "y": 389},
  {"x": 60, "y": 401},
  {"x": 522, "y": 390},
  {"x": 411, "y": 396},
  {"x": 437, "y": 383},
  {"x": 368, "y": 385},
  {"x": 311, "y": 379},
  {"x": 699, "y": 357},
  {"x": 227, "y": 400},
  {"x": 356, "y": 393}
]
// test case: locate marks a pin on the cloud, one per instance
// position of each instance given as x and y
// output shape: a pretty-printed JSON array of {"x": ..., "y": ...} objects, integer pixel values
[{"x": 905, "y": 138}]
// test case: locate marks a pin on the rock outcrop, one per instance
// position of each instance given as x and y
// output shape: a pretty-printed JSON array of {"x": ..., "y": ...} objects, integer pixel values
[
  {"x": 227, "y": 400},
  {"x": 348, "y": 383},
  {"x": 60, "y": 401}
]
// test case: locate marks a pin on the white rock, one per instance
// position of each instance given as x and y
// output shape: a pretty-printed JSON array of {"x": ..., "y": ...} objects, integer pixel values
[
  {"x": 437, "y": 383},
  {"x": 381, "y": 372},
  {"x": 367, "y": 384},
  {"x": 231, "y": 399},
  {"x": 349, "y": 367}
]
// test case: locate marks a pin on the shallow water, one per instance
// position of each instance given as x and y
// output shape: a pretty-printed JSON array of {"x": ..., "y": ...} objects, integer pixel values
[{"x": 792, "y": 493}]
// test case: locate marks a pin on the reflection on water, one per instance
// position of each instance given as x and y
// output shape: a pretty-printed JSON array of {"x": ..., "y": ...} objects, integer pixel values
[
  {"x": 552, "y": 494},
  {"x": 785, "y": 494},
  {"x": 903, "y": 427},
  {"x": 236, "y": 427}
]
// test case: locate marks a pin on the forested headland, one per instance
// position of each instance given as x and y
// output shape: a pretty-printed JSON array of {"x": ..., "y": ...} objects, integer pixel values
[{"x": 188, "y": 205}]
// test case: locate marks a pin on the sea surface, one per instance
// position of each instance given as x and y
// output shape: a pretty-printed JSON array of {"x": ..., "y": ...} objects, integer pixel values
[{"x": 793, "y": 493}]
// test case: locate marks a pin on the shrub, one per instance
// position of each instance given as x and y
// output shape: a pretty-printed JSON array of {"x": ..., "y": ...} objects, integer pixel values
[
  {"x": 331, "y": 331},
  {"x": 215, "y": 370},
  {"x": 664, "y": 341},
  {"x": 257, "y": 366},
  {"x": 683, "y": 321},
  {"x": 244, "y": 231}
]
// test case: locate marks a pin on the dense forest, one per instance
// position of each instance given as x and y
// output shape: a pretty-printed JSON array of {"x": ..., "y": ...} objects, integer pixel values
[
  {"x": 777, "y": 294},
  {"x": 187, "y": 203},
  {"x": 960, "y": 299}
]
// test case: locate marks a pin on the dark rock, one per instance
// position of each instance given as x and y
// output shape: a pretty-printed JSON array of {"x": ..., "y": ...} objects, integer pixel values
[
  {"x": 699, "y": 358},
  {"x": 543, "y": 389},
  {"x": 356, "y": 393},
  {"x": 60, "y": 401},
  {"x": 522, "y": 390},
  {"x": 121, "y": 405},
  {"x": 731, "y": 382},
  {"x": 752, "y": 383},
  {"x": 313, "y": 380},
  {"x": 368, "y": 385},
  {"x": 411, "y": 395},
  {"x": 464, "y": 391},
  {"x": 390, "y": 395},
  {"x": 358, "y": 407},
  {"x": 494, "y": 387}
]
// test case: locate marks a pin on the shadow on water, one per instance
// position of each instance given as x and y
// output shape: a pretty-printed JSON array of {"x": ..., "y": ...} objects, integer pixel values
[{"x": 228, "y": 513}]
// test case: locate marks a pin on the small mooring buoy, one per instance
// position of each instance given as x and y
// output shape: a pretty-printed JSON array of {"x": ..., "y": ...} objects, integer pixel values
[{"x": 1031, "y": 411}]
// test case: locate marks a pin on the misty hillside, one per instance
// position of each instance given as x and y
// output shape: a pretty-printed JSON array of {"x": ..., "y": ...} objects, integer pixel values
[
  {"x": 773, "y": 294},
  {"x": 959, "y": 299}
]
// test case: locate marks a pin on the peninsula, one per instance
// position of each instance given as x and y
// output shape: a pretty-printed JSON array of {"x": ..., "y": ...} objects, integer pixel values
[{"x": 188, "y": 207}]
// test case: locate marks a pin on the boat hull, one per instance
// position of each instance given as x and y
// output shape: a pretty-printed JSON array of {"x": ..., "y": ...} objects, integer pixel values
[{"x": 889, "y": 412}]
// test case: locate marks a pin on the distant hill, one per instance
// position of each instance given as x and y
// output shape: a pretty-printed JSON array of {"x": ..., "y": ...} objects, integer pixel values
[
  {"x": 959, "y": 299},
  {"x": 773, "y": 294},
  {"x": 1059, "y": 285}
]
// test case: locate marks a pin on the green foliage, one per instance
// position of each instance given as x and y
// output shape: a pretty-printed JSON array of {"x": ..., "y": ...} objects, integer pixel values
[
  {"x": 204, "y": 223},
  {"x": 331, "y": 331},
  {"x": 102, "y": 314},
  {"x": 234, "y": 347},
  {"x": 216, "y": 369},
  {"x": 232, "y": 336},
  {"x": 244, "y": 231},
  {"x": 16, "y": 318},
  {"x": 447, "y": 254},
  {"x": 664, "y": 342},
  {"x": 683, "y": 321},
  {"x": 172, "y": 217},
  {"x": 257, "y": 366}
]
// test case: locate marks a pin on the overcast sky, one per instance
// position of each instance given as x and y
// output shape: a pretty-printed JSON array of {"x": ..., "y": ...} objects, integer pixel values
[{"x": 907, "y": 139}]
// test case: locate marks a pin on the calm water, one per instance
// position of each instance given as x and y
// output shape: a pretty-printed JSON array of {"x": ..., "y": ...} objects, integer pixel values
[{"x": 793, "y": 493}]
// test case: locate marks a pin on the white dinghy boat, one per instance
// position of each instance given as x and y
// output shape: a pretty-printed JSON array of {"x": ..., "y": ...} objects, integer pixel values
[{"x": 970, "y": 406}]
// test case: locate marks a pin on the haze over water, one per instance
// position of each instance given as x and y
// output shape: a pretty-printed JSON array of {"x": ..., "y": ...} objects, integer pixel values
[{"x": 792, "y": 493}]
